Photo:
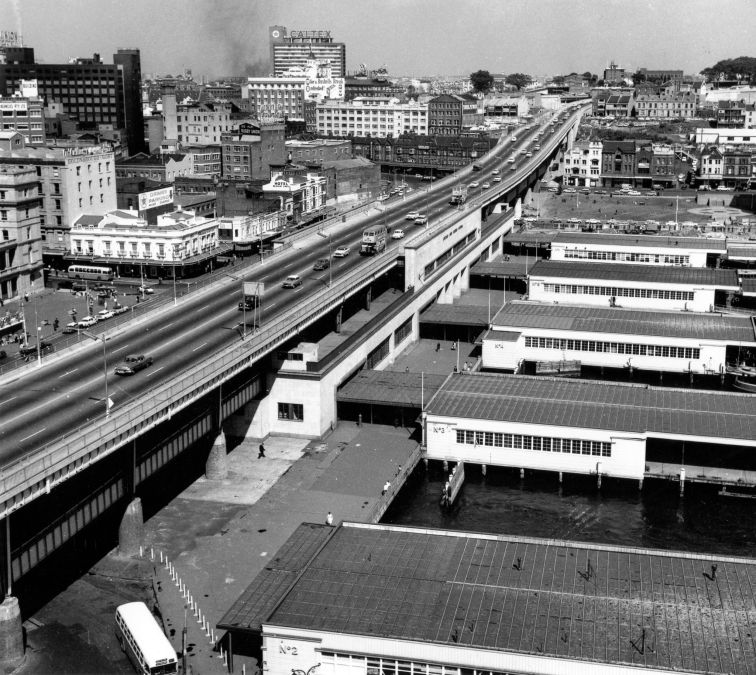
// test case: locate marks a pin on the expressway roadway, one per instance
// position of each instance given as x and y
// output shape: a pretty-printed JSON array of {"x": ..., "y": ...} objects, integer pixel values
[{"x": 40, "y": 405}]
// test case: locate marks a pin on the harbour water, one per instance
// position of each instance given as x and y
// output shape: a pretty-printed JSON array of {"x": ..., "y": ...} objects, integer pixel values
[{"x": 618, "y": 513}]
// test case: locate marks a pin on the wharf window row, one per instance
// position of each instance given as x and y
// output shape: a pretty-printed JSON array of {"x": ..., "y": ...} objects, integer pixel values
[
  {"x": 373, "y": 665},
  {"x": 573, "y": 446},
  {"x": 665, "y": 351},
  {"x": 617, "y": 292},
  {"x": 622, "y": 256}
]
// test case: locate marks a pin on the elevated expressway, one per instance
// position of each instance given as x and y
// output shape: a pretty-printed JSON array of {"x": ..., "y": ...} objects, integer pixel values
[{"x": 53, "y": 424}]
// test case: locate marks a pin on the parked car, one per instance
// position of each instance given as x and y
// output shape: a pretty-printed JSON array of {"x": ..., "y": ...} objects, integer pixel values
[
  {"x": 634, "y": 193},
  {"x": 652, "y": 193},
  {"x": 600, "y": 192},
  {"x": 147, "y": 290},
  {"x": 341, "y": 252},
  {"x": 495, "y": 172},
  {"x": 30, "y": 349},
  {"x": 292, "y": 281},
  {"x": 497, "y": 179},
  {"x": 105, "y": 314},
  {"x": 321, "y": 264},
  {"x": 474, "y": 184},
  {"x": 570, "y": 191},
  {"x": 3, "y": 355},
  {"x": 87, "y": 322},
  {"x": 120, "y": 309},
  {"x": 412, "y": 215},
  {"x": 398, "y": 233},
  {"x": 485, "y": 186},
  {"x": 71, "y": 327},
  {"x": 133, "y": 364}
]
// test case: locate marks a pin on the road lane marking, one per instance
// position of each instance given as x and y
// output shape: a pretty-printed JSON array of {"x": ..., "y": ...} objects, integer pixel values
[
  {"x": 155, "y": 371},
  {"x": 120, "y": 349},
  {"x": 26, "y": 438},
  {"x": 8, "y": 400},
  {"x": 199, "y": 309},
  {"x": 199, "y": 347},
  {"x": 167, "y": 325},
  {"x": 68, "y": 372}
]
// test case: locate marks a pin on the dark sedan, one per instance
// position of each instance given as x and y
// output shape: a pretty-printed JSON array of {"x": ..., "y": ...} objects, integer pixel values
[{"x": 133, "y": 364}]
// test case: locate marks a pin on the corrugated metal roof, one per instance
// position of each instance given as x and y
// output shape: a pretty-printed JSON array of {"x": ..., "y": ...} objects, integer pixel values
[
  {"x": 390, "y": 388},
  {"x": 741, "y": 252},
  {"x": 547, "y": 598},
  {"x": 597, "y": 405},
  {"x": 704, "y": 326},
  {"x": 655, "y": 274},
  {"x": 502, "y": 335},
  {"x": 677, "y": 243},
  {"x": 458, "y": 315}
]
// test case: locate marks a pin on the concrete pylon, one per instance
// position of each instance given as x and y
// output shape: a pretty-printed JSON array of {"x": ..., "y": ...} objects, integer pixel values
[
  {"x": 11, "y": 635},
  {"x": 131, "y": 531},
  {"x": 216, "y": 467}
]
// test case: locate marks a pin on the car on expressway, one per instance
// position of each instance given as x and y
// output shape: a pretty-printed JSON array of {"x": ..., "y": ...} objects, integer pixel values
[
  {"x": 133, "y": 363},
  {"x": 412, "y": 215},
  {"x": 341, "y": 252},
  {"x": 474, "y": 184},
  {"x": 292, "y": 281},
  {"x": 321, "y": 264},
  {"x": 497, "y": 179},
  {"x": 398, "y": 233},
  {"x": 485, "y": 186},
  {"x": 421, "y": 219},
  {"x": 496, "y": 172}
]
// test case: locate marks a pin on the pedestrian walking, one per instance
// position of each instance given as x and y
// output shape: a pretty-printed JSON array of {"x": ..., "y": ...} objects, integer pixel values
[
  {"x": 56, "y": 323},
  {"x": 329, "y": 519},
  {"x": 261, "y": 451},
  {"x": 386, "y": 487},
  {"x": 438, "y": 346}
]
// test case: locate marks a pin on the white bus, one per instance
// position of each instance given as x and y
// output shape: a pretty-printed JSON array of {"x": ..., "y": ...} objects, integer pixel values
[
  {"x": 143, "y": 640},
  {"x": 93, "y": 272}
]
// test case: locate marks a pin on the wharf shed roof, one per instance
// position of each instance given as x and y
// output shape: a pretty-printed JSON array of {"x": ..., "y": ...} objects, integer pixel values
[
  {"x": 741, "y": 252},
  {"x": 589, "y": 319},
  {"x": 456, "y": 315},
  {"x": 564, "y": 600},
  {"x": 587, "y": 404},
  {"x": 653, "y": 274},
  {"x": 641, "y": 241},
  {"x": 384, "y": 387}
]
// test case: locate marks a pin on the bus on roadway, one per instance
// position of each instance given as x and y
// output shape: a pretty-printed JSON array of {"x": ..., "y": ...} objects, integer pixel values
[
  {"x": 93, "y": 272},
  {"x": 144, "y": 642}
]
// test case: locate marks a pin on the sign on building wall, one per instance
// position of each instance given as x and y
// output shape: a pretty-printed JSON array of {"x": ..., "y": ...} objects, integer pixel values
[{"x": 161, "y": 197}]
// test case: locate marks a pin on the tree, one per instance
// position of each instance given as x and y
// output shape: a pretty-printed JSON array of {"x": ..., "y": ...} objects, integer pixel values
[
  {"x": 482, "y": 81},
  {"x": 558, "y": 79},
  {"x": 744, "y": 66},
  {"x": 518, "y": 80}
]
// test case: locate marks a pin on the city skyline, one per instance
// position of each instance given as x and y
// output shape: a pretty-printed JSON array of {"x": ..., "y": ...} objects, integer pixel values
[{"x": 451, "y": 39}]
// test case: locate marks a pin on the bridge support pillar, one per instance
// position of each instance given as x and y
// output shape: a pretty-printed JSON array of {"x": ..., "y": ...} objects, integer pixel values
[
  {"x": 368, "y": 298},
  {"x": 131, "y": 531},
  {"x": 11, "y": 635},
  {"x": 216, "y": 467},
  {"x": 339, "y": 317}
]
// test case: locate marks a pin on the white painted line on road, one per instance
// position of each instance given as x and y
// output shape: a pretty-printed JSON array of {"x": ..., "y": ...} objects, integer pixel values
[
  {"x": 155, "y": 371},
  {"x": 203, "y": 307},
  {"x": 166, "y": 326},
  {"x": 8, "y": 400},
  {"x": 68, "y": 372},
  {"x": 272, "y": 304},
  {"x": 120, "y": 349},
  {"x": 199, "y": 347},
  {"x": 26, "y": 438}
]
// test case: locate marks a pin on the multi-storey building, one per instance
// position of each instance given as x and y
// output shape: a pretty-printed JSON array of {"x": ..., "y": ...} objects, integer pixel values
[
  {"x": 285, "y": 96},
  {"x": 712, "y": 165},
  {"x": 582, "y": 163},
  {"x": 617, "y": 162},
  {"x": 21, "y": 240},
  {"x": 735, "y": 114},
  {"x": 163, "y": 168},
  {"x": 666, "y": 105},
  {"x": 92, "y": 92},
  {"x": 249, "y": 151},
  {"x": 295, "y": 48},
  {"x": 378, "y": 116},
  {"x": 370, "y": 85},
  {"x": 195, "y": 123},
  {"x": 72, "y": 180},
  {"x": 613, "y": 102},
  {"x": 673, "y": 76},
  {"x": 412, "y": 153},
  {"x": 205, "y": 159},
  {"x": 179, "y": 241},
  {"x": 614, "y": 74},
  {"x": 451, "y": 114},
  {"x": 506, "y": 106},
  {"x": 301, "y": 194},
  {"x": 319, "y": 150},
  {"x": 24, "y": 112},
  {"x": 736, "y": 167}
]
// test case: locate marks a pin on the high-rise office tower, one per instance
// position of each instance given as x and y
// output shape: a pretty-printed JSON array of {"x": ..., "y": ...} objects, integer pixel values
[{"x": 295, "y": 48}]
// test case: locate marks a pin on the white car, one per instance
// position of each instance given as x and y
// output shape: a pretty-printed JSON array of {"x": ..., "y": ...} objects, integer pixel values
[
  {"x": 474, "y": 184},
  {"x": 513, "y": 139},
  {"x": 421, "y": 219},
  {"x": 497, "y": 179},
  {"x": 292, "y": 281},
  {"x": 496, "y": 172},
  {"x": 147, "y": 290},
  {"x": 634, "y": 193},
  {"x": 105, "y": 314},
  {"x": 485, "y": 186},
  {"x": 398, "y": 233},
  {"x": 412, "y": 215},
  {"x": 87, "y": 322},
  {"x": 341, "y": 252}
]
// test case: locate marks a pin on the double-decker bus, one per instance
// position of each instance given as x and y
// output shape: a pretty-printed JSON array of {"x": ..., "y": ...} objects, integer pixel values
[
  {"x": 144, "y": 642},
  {"x": 93, "y": 272}
]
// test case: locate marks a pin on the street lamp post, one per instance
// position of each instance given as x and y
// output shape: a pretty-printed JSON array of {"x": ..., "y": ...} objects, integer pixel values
[
  {"x": 104, "y": 367},
  {"x": 175, "y": 300},
  {"x": 330, "y": 257}
]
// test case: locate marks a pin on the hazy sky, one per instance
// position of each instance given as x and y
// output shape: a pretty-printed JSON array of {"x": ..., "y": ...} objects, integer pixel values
[{"x": 411, "y": 37}]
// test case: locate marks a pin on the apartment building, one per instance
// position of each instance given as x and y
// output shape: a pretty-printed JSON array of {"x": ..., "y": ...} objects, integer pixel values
[{"x": 378, "y": 116}]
